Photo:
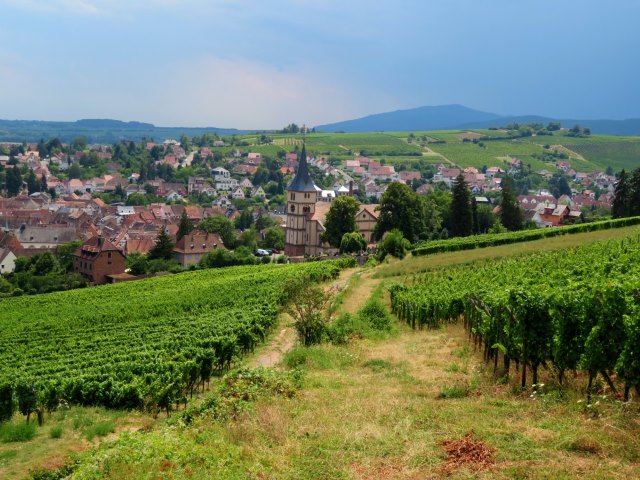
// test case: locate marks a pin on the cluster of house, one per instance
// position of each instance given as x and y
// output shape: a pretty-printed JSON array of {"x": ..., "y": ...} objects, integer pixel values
[{"x": 32, "y": 224}]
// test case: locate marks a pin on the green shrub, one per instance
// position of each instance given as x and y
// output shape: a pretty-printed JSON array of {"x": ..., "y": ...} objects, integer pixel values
[
  {"x": 375, "y": 314},
  {"x": 454, "y": 391},
  {"x": 55, "y": 432},
  {"x": 345, "y": 327},
  {"x": 100, "y": 429},
  {"x": 393, "y": 243},
  {"x": 17, "y": 432}
]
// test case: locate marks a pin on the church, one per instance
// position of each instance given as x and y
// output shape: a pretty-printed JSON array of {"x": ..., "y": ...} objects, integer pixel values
[{"x": 306, "y": 214}]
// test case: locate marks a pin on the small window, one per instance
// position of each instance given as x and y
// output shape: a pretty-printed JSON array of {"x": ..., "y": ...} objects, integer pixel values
[
  {"x": 293, "y": 208},
  {"x": 109, "y": 255}
]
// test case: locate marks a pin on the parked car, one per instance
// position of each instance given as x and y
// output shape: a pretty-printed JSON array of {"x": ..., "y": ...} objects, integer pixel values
[{"x": 262, "y": 253}]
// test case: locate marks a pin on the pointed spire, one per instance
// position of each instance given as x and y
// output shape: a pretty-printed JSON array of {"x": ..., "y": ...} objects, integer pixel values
[{"x": 302, "y": 181}]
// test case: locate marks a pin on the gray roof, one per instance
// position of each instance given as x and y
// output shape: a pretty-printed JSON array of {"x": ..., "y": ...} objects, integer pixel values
[
  {"x": 50, "y": 234},
  {"x": 302, "y": 181}
]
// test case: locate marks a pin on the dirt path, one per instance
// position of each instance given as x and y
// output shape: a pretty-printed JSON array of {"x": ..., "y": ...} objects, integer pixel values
[
  {"x": 360, "y": 292},
  {"x": 271, "y": 354}
]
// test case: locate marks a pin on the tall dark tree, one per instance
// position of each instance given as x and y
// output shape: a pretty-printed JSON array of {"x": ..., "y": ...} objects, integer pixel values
[
  {"x": 634, "y": 194},
  {"x": 401, "y": 208},
  {"x": 43, "y": 183},
  {"x": 558, "y": 185},
  {"x": 622, "y": 194},
  {"x": 185, "y": 227},
  {"x": 511, "y": 214},
  {"x": 33, "y": 185},
  {"x": 14, "y": 181},
  {"x": 222, "y": 226},
  {"x": 474, "y": 215},
  {"x": 163, "y": 249},
  {"x": 74, "y": 171},
  {"x": 341, "y": 219},
  {"x": 461, "y": 216}
]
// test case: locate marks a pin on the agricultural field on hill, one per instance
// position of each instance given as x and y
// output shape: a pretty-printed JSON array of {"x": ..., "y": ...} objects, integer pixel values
[{"x": 144, "y": 344}]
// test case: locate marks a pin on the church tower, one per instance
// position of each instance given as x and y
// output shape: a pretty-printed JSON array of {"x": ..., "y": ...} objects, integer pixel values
[{"x": 301, "y": 204}]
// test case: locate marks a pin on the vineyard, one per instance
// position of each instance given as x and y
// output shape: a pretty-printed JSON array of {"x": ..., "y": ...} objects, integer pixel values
[
  {"x": 138, "y": 345},
  {"x": 571, "y": 310},
  {"x": 492, "y": 240}
]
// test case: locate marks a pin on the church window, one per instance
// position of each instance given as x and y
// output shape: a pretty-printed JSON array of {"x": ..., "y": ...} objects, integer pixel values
[
  {"x": 293, "y": 208},
  {"x": 306, "y": 209}
]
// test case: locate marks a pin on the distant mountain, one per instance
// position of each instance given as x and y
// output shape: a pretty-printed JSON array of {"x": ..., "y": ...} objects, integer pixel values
[
  {"x": 98, "y": 131},
  {"x": 458, "y": 117},
  {"x": 422, "y": 118}
]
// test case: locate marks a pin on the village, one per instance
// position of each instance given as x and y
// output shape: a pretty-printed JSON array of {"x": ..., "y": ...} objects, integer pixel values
[{"x": 53, "y": 205}]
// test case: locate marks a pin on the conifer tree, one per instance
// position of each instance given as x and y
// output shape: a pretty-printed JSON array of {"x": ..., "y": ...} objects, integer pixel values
[
  {"x": 163, "y": 248},
  {"x": 461, "y": 214},
  {"x": 634, "y": 193},
  {"x": 620, "y": 207},
  {"x": 185, "y": 227},
  {"x": 510, "y": 212}
]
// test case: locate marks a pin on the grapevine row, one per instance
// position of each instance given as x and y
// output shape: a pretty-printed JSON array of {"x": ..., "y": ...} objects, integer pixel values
[
  {"x": 138, "y": 345},
  {"x": 574, "y": 309}
]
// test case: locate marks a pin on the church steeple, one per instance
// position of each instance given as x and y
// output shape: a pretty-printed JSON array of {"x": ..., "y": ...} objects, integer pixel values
[{"x": 302, "y": 181}]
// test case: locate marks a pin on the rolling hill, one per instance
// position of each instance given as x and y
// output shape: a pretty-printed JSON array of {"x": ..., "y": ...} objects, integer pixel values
[{"x": 450, "y": 117}]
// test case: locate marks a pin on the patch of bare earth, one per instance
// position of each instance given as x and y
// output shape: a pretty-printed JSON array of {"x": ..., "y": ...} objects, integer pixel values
[
  {"x": 467, "y": 452},
  {"x": 469, "y": 135}
]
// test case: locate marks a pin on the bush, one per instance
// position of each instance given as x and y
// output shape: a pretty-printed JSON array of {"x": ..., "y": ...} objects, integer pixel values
[
  {"x": 393, "y": 243},
  {"x": 55, "y": 432},
  {"x": 375, "y": 314},
  {"x": 17, "y": 432},
  {"x": 352, "y": 242},
  {"x": 345, "y": 327},
  {"x": 100, "y": 429}
]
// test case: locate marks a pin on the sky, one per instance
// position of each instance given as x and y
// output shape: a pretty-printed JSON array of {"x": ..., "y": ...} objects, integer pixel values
[{"x": 262, "y": 64}]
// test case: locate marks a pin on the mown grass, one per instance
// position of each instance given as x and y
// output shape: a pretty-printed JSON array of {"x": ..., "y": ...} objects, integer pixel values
[{"x": 381, "y": 409}]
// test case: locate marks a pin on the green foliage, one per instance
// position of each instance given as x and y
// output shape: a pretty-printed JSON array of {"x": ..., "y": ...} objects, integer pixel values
[
  {"x": 400, "y": 208},
  {"x": 511, "y": 214},
  {"x": 461, "y": 215},
  {"x": 353, "y": 242},
  {"x": 375, "y": 314},
  {"x": 144, "y": 354},
  {"x": 393, "y": 243},
  {"x": 7, "y": 406},
  {"x": 185, "y": 227},
  {"x": 17, "y": 432},
  {"x": 100, "y": 429},
  {"x": 222, "y": 226},
  {"x": 454, "y": 391},
  {"x": 239, "y": 389},
  {"x": 575, "y": 308},
  {"x": 493, "y": 239},
  {"x": 56, "y": 432},
  {"x": 306, "y": 303},
  {"x": 274, "y": 238},
  {"x": 163, "y": 249},
  {"x": 341, "y": 219}
]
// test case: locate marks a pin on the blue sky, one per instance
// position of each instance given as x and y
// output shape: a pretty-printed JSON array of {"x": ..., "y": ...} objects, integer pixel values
[{"x": 266, "y": 63}]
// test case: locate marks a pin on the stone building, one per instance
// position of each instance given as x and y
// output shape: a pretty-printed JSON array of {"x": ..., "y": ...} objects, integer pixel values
[{"x": 306, "y": 214}]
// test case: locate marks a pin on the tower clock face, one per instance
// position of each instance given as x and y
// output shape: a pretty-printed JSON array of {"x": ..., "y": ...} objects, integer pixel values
[{"x": 293, "y": 208}]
